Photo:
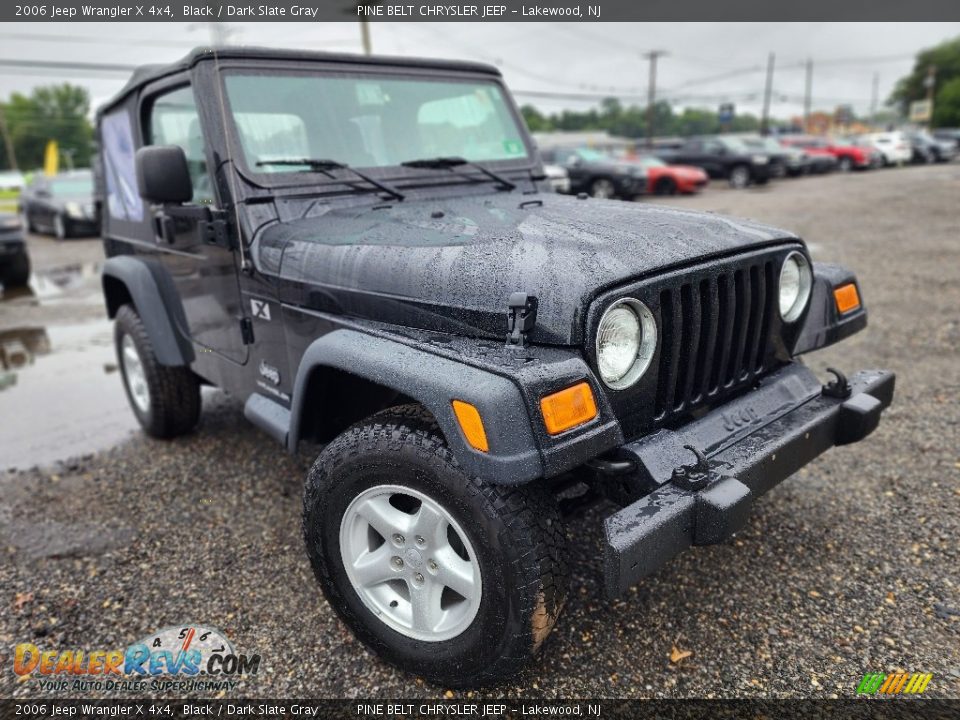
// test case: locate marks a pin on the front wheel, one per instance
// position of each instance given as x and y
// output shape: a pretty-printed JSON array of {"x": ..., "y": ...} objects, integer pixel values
[
  {"x": 666, "y": 186},
  {"x": 165, "y": 399},
  {"x": 739, "y": 177},
  {"x": 60, "y": 228},
  {"x": 603, "y": 188},
  {"x": 846, "y": 164},
  {"x": 441, "y": 574}
]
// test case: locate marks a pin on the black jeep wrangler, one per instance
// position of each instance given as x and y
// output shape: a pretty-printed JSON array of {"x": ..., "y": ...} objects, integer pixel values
[{"x": 365, "y": 251}]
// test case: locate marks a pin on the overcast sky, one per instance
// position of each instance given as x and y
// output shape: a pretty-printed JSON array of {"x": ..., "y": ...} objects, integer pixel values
[{"x": 706, "y": 63}]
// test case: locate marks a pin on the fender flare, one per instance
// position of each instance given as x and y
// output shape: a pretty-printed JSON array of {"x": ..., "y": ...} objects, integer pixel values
[
  {"x": 157, "y": 303},
  {"x": 433, "y": 381}
]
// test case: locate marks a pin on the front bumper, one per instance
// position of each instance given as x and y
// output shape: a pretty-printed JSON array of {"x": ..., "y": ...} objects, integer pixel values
[{"x": 751, "y": 444}]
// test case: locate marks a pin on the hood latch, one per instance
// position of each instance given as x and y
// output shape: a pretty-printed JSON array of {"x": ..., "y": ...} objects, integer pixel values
[{"x": 521, "y": 318}]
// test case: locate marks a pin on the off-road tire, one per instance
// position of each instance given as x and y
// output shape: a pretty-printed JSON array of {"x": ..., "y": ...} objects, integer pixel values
[
  {"x": 516, "y": 531},
  {"x": 17, "y": 272},
  {"x": 174, "y": 390}
]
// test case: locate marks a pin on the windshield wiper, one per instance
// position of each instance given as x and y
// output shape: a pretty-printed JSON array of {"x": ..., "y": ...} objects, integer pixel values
[
  {"x": 454, "y": 162},
  {"x": 325, "y": 166}
]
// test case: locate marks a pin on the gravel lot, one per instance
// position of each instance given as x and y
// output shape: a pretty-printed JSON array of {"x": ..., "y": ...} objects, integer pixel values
[{"x": 852, "y": 566}]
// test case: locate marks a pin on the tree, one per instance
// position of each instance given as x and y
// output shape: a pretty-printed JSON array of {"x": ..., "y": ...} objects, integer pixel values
[
  {"x": 946, "y": 106},
  {"x": 536, "y": 120},
  {"x": 945, "y": 57},
  {"x": 55, "y": 112}
]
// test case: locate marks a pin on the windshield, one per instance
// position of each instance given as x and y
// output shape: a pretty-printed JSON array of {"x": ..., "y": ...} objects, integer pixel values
[
  {"x": 591, "y": 155},
  {"x": 734, "y": 144},
  {"x": 72, "y": 187},
  {"x": 369, "y": 121},
  {"x": 649, "y": 162}
]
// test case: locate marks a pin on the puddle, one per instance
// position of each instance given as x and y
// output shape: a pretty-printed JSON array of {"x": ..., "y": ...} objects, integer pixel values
[
  {"x": 60, "y": 394},
  {"x": 76, "y": 283}
]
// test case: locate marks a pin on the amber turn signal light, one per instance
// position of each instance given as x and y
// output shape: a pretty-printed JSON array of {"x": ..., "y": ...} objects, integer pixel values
[
  {"x": 471, "y": 424},
  {"x": 568, "y": 408},
  {"x": 846, "y": 297}
]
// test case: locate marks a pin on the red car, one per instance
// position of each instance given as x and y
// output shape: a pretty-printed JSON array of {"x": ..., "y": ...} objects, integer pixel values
[
  {"x": 663, "y": 179},
  {"x": 849, "y": 157}
]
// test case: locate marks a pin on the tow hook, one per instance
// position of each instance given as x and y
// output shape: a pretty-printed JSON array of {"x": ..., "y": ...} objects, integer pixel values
[
  {"x": 838, "y": 388},
  {"x": 695, "y": 476}
]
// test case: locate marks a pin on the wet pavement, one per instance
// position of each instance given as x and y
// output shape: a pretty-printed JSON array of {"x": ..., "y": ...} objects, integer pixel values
[
  {"x": 850, "y": 567},
  {"x": 58, "y": 372}
]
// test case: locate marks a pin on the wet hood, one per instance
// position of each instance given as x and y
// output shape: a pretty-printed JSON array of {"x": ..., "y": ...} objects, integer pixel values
[{"x": 450, "y": 265}]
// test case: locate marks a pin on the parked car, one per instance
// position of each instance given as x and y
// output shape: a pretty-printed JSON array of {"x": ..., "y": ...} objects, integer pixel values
[
  {"x": 784, "y": 159},
  {"x": 463, "y": 342},
  {"x": 61, "y": 205},
  {"x": 14, "y": 258},
  {"x": 928, "y": 149},
  {"x": 949, "y": 135},
  {"x": 893, "y": 145},
  {"x": 558, "y": 178},
  {"x": 723, "y": 157},
  {"x": 11, "y": 181},
  {"x": 664, "y": 179},
  {"x": 849, "y": 156},
  {"x": 597, "y": 174}
]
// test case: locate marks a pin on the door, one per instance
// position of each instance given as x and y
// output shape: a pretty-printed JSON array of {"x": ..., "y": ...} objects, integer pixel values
[{"x": 202, "y": 264}]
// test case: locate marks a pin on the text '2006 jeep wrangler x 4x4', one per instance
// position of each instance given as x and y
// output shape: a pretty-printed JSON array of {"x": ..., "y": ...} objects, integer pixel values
[{"x": 364, "y": 251}]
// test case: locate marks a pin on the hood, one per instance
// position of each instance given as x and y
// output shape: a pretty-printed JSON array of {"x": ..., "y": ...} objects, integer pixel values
[{"x": 450, "y": 265}]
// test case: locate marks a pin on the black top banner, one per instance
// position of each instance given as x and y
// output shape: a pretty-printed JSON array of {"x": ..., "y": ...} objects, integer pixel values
[{"x": 496, "y": 11}]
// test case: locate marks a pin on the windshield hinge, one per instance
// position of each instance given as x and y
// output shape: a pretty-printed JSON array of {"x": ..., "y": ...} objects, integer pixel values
[
  {"x": 246, "y": 330},
  {"x": 521, "y": 318},
  {"x": 216, "y": 231}
]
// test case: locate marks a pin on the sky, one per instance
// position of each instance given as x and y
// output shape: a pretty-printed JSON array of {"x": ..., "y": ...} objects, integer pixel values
[{"x": 705, "y": 63}]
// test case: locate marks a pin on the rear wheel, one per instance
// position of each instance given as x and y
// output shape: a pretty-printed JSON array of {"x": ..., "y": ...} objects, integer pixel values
[
  {"x": 846, "y": 164},
  {"x": 165, "y": 399},
  {"x": 666, "y": 186},
  {"x": 17, "y": 272},
  {"x": 603, "y": 188},
  {"x": 440, "y": 573}
]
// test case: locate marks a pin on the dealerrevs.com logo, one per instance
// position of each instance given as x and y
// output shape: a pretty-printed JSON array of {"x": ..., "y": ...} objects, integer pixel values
[
  {"x": 894, "y": 683},
  {"x": 177, "y": 659}
]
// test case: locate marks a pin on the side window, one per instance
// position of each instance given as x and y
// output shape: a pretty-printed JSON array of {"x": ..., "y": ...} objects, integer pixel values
[
  {"x": 713, "y": 147},
  {"x": 120, "y": 175},
  {"x": 173, "y": 120}
]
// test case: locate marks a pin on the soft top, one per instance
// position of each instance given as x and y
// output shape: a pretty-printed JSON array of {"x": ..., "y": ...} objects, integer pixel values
[{"x": 148, "y": 73}]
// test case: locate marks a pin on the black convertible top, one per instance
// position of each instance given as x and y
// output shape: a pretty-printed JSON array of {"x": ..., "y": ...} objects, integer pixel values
[{"x": 147, "y": 73}]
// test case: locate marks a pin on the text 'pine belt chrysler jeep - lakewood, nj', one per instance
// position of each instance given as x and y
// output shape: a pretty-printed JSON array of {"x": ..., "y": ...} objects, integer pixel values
[{"x": 364, "y": 251}]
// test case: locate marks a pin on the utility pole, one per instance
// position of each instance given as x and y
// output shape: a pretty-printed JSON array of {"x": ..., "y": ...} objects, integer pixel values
[
  {"x": 874, "y": 98},
  {"x": 929, "y": 82},
  {"x": 652, "y": 91},
  {"x": 808, "y": 96},
  {"x": 7, "y": 140},
  {"x": 768, "y": 91},
  {"x": 365, "y": 35}
]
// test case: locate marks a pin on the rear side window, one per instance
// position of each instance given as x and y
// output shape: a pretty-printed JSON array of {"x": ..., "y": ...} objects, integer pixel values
[
  {"x": 174, "y": 120},
  {"x": 120, "y": 176}
]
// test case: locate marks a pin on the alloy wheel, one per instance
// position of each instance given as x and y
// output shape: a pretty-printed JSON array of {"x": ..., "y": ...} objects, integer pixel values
[{"x": 410, "y": 562}]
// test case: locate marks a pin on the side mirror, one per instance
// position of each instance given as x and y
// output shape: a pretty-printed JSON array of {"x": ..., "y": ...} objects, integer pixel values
[{"x": 163, "y": 177}]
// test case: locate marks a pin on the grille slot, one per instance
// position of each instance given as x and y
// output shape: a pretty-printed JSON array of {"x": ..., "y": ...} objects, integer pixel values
[{"x": 713, "y": 335}]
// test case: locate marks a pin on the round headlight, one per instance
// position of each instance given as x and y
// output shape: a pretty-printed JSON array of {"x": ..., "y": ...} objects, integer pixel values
[
  {"x": 626, "y": 340},
  {"x": 796, "y": 281}
]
